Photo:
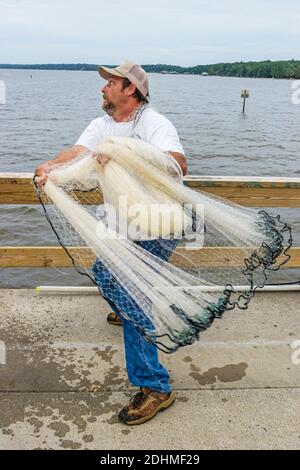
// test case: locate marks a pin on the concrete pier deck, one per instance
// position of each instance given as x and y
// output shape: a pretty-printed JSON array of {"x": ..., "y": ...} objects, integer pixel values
[{"x": 63, "y": 378}]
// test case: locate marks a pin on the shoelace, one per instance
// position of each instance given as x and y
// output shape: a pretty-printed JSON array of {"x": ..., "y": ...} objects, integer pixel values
[{"x": 138, "y": 399}]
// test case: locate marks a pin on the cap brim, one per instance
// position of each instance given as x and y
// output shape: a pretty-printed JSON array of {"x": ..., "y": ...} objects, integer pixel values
[{"x": 106, "y": 72}]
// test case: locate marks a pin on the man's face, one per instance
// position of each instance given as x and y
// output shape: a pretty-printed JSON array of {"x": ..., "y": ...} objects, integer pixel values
[{"x": 113, "y": 95}]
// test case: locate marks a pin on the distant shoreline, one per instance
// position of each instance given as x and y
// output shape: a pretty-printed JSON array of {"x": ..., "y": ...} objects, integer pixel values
[{"x": 264, "y": 69}]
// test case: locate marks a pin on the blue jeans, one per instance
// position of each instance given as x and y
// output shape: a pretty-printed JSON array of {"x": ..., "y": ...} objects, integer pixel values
[{"x": 143, "y": 366}]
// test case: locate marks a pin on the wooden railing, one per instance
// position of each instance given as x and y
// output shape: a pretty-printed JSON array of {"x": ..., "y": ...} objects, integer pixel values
[{"x": 17, "y": 188}]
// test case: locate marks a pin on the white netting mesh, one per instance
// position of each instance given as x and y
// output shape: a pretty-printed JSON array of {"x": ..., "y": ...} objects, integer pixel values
[{"x": 168, "y": 302}]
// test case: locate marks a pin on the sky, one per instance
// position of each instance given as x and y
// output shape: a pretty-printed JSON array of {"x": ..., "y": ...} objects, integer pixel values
[{"x": 179, "y": 32}]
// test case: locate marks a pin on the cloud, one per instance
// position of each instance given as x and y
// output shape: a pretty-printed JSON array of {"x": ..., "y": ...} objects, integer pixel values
[{"x": 185, "y": 33}]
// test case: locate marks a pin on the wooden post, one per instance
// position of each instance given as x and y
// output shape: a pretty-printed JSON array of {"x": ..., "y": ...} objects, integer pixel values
[{"x": 244, "y": 94}]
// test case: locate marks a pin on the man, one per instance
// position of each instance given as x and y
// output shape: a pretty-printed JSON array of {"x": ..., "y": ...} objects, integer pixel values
[{"x": 125, "y": 101}]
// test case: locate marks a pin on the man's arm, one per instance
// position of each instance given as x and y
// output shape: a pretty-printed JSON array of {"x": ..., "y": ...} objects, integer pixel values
[
  {"x": 64, "y": 156},
  {"x": 181, "y": 160}
]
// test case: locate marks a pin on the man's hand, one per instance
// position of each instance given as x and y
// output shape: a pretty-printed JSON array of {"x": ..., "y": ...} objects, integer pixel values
[
  {"x": 41, "y": 174},
  {"x": 180, "y": 158},
  {"x": 101, "y": 159}
]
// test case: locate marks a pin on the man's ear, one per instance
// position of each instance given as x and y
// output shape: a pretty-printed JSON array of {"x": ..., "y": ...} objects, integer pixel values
[{"x": 130, "y": 90}]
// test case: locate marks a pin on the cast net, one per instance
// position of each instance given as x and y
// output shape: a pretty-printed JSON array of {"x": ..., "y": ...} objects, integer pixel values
[{"x": 168, "y": 258}]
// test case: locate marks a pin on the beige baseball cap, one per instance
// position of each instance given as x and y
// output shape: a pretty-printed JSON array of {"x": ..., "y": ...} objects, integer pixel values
[{"x": 134, "y": 72}]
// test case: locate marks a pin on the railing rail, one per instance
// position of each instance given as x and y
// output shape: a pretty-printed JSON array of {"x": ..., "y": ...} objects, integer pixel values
[{"x": 17, "y": 188}]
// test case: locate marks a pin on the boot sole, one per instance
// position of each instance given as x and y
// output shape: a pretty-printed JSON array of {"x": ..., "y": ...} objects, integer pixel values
[
  {"x": 162, "y": 407},
  {"x": 114, "y": 323}
]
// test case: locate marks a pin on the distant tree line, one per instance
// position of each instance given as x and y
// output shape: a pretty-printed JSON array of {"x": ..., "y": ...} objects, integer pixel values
[
  {"x": 89, "y": 67},
  {"x": 263, "y": 69}
]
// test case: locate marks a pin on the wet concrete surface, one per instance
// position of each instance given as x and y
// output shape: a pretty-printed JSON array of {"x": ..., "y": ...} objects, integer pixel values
[{"x": 63, "y": 378}]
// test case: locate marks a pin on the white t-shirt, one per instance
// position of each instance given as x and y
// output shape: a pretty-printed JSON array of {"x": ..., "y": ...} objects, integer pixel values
[{"x": 151, "y": 127}]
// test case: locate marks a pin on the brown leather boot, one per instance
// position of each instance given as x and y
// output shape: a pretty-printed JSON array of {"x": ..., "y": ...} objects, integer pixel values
[
  {"x": 113, "y": 319},
  {"x": 145, "y": 405}
]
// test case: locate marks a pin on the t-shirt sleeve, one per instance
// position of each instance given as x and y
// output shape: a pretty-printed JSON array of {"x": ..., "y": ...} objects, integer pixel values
[
  {"x": 92, "y": 135},
  {"x": 164, "y": 136}
]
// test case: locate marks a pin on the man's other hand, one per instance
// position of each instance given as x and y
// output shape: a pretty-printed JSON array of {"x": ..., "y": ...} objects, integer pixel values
[
  {"x": 101, "y": 159},
  {"x": 41, "y": 174}
]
